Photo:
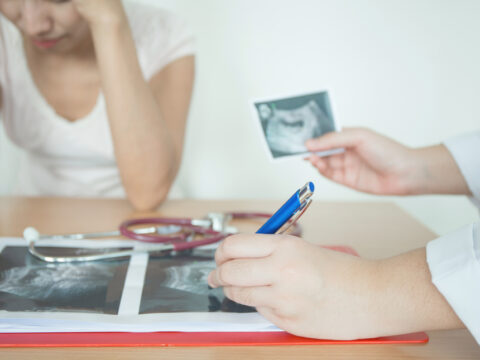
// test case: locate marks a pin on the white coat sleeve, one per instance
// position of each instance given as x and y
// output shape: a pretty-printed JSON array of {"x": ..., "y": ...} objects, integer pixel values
[
  {"x": 454, "y": 259},
  {"x": 454, "y": 262},
  {"x": 465, "y": 149}
]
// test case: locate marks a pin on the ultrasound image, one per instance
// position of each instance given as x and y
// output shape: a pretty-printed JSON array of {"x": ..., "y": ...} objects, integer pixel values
[
  {"x": 173, "y": 283},
  {"x": 28, "y": 284},
  {"x": 179, "y": 284}
]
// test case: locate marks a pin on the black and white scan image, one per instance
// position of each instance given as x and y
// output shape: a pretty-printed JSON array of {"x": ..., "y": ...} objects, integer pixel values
[
  {"x": 179, "y": 284},
  {"x": 28, "y": 284},
  {"x": 287, "y": 123},
  {"x": 173, "y": 283}
]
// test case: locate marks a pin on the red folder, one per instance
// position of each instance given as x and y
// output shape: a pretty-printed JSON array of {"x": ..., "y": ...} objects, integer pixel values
[
  {"x": 185, "y": 339},
  {"x": 123, "y": 339}
]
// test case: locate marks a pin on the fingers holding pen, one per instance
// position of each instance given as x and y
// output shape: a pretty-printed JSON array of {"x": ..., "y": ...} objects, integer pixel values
[
  {"x": 245, "y": 246},
  {"x": 242, "y": 272},
  {"x": 251, "y": 260}
]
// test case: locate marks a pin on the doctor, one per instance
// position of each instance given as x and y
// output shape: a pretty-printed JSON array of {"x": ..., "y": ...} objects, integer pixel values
[{"x": 314, "y": 292}]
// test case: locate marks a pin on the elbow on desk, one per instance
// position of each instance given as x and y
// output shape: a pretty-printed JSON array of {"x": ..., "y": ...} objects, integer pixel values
[{"x": 148, "y": 199}]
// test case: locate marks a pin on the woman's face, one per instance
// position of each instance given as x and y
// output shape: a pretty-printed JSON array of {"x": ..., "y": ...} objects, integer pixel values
[{"x": 50, "y": 25}]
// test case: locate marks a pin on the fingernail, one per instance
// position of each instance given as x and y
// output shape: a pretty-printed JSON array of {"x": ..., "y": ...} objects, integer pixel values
[{"x": 209, "y": 280}]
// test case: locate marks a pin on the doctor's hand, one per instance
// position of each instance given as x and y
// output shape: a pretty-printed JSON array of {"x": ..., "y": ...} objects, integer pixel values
[
  {"x": 300, "y": 287},
  {"x": 376, "y": 164},
  {"x": 314, "y": 292}
]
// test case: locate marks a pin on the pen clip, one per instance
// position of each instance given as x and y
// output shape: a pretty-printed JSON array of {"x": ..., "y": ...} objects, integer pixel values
[{"x": 295, "y": 217}]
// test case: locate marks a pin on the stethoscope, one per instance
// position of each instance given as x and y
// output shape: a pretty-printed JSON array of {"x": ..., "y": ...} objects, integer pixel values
[
  {"x": 178, "y": 234},
  {"x": 169, "y": 234}
]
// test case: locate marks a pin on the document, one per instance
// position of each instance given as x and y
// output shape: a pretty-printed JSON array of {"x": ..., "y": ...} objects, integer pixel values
[{"x": 139, "y": 293}]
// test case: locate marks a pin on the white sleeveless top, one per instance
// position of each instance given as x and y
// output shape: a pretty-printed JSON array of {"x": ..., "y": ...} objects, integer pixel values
[{"x": 76, "y": 158}]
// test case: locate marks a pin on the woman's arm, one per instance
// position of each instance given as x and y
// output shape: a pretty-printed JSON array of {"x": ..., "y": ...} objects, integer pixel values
[{"x": 147, "y": 119}]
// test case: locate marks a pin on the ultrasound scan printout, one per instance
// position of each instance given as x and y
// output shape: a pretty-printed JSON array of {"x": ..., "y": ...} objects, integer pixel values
[{"x": 144, "y": 292}]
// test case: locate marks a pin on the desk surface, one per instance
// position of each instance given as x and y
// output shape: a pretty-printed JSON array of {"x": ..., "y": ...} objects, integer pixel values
[{"x": 375, "y": 230}]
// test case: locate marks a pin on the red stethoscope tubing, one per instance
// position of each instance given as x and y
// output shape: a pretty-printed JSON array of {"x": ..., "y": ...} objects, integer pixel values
[{"x": 179, "y": 241}]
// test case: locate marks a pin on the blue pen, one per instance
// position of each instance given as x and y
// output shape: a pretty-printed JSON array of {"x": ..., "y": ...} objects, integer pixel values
[{"x": 294, "y": 207}]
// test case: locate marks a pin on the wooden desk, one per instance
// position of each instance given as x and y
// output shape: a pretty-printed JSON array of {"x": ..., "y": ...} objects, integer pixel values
[{"x": 375, "y": 230}]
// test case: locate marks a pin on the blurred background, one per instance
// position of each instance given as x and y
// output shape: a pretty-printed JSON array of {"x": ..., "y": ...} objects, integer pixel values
[{"x": 406, "y": 68}]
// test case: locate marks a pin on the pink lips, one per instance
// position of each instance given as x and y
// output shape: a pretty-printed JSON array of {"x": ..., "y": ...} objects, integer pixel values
[{"x": 46, "y": 44}]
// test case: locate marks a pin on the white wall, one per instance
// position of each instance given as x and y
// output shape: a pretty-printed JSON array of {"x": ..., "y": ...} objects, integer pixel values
[{"x": 407, "y": 68}]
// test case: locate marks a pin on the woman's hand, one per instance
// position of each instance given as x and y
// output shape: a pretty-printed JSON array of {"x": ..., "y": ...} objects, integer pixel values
[
  {"x": 375, "y": 164},
  {"x": 101, "y": 12},
  {"x": 314, "y": 292},
  {"x": 300, "y": 287}
]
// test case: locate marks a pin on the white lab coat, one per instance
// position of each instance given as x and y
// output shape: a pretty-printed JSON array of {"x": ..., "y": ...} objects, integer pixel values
[{"x": 454, "y": 259}]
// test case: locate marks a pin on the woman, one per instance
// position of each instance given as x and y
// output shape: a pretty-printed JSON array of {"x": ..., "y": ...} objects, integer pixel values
[
  {"x": 314, "y": 292},
  {"x": 98, "y": 94}
]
